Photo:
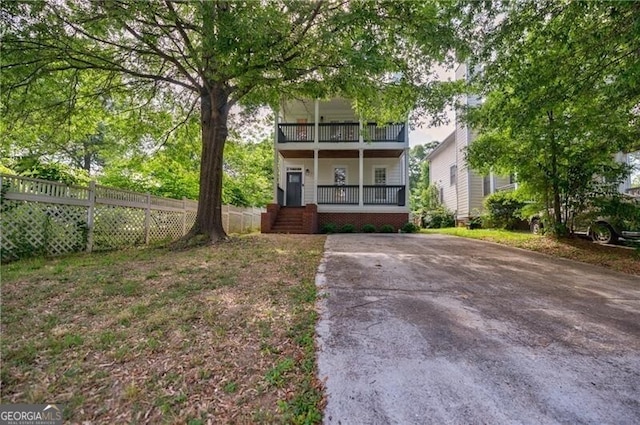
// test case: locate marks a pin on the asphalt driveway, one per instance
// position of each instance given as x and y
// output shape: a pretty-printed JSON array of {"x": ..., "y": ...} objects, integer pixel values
[{"x": 434, "y": 329}]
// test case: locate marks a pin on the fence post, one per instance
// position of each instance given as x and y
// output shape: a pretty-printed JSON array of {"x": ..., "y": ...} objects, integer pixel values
[
  {"x": 90, "y": 214},
  {"x": 147, "y": 219},
  {"x": 184, "y": 216}
]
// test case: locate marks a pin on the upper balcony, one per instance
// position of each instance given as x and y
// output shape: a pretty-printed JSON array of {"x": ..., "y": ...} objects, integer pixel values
[
  {"x": 348, "y": 132},
  {"x": 333, "y": 124}
]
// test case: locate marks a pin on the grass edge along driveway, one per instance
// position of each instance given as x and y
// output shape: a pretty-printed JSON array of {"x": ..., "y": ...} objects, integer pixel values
[
  {"x": 221, "y": 334},
  {"x": 611, "y": 257}
]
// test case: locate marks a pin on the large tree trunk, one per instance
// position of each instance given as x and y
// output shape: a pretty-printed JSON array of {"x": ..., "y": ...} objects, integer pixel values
[{"x": 214, "y": 115}]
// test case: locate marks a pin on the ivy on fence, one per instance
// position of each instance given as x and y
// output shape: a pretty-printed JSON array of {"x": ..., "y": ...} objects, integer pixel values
[{"x": 40, "y": 217}]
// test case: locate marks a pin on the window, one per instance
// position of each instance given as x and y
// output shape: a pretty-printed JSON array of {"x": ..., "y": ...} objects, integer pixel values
[
  {"x": 442, "y": 195},
  {"x": 380, "y": 176},
  {"x": 512, "y": 178},
  {"x": 486, "y": 185},
  {"x": 453, "y": 171},
  {"x": 380, "y": 179},
  {"x": 340, "y": 176}
]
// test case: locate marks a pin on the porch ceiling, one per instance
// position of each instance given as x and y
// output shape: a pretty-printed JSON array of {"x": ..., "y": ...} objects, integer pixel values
[
  {"x": 343, "y": 153},
  {"x": 296, "y": 154}
]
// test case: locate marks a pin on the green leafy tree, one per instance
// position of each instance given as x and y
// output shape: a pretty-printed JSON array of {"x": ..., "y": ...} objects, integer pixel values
[
  {"x": 417, "y": 161},
  {"x": 560, "y": 88},
  {"x": 209, "y": 56}
]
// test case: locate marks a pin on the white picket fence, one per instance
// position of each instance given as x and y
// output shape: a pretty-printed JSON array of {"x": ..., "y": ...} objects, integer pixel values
[{"x": 41, "y": 217}]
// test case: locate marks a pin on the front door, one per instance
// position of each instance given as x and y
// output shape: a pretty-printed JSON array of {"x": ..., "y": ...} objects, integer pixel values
[{"x": 294, "y": 189}]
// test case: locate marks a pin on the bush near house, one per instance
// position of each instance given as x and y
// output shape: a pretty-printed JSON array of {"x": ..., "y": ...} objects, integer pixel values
[
  {"x": 348, "y": 228},
  {"x": 503, "y": 210},
  {"x": 410, "y": 228},
  {"x": 368, "y": 228},
  {"x": 438, "y": 218},
  {"x": 329, "y": 228},
  {"x": 386, "y": 228}
]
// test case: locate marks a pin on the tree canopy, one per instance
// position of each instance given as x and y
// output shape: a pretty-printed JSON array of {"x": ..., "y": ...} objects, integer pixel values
[
  {"x": 561, "y": 89},
  {"x": 207, "y": 56}
]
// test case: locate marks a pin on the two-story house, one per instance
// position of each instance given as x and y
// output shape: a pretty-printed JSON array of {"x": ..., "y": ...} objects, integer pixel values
[
  {"x": 460, "y": 188},
  {"x": 331, "y": 167}
]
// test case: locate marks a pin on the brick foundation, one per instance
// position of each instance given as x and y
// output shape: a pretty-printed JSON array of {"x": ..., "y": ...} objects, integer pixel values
[
  {"x": 397, "y": 220},
  {"x": 310, "y": 218},
  {"x": 267, "y": 219}
]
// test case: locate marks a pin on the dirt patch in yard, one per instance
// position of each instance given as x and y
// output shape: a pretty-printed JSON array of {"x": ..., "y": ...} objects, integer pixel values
[{"x": 219, "y": 334}]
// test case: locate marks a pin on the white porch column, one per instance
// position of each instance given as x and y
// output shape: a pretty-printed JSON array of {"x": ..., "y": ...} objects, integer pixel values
[
  {"x": 315, "y": 176},
  {"x": 360, "y": 177},
  {"x": 406, "y": 173},
  {"x": 361, "y": 130},
  {"x": 276, "y": 165},
  {"x": 316, "y": 119}
]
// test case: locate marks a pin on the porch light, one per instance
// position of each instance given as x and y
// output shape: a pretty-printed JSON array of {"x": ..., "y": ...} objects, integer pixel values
[{"x": 307, "y": 172}]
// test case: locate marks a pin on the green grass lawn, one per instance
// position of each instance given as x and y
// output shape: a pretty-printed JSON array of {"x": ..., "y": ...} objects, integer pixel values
[
  {"x": 221, "y": 334},
  {"x": 612, "y": 257}
]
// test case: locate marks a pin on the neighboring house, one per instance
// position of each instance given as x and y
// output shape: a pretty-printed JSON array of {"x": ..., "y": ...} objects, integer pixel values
[
  {"x": 333, "y": 168},
  {"x": 461, "y": 189}
]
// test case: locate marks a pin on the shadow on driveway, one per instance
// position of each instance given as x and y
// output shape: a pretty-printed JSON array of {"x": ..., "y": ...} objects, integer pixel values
[{"x": 434, "y": 329}]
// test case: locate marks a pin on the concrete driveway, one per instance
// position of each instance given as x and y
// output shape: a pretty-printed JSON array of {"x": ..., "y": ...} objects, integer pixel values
[{"x": 433, "y": 329}]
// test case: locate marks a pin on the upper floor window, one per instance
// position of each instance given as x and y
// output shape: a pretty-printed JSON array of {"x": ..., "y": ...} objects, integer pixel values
[{"x": 453, "y": 171}]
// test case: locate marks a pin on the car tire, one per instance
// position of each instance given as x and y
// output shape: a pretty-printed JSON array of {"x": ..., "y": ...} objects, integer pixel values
[
  {"x": 536, "y": 226},
  {"x": 602, "y": 233}
]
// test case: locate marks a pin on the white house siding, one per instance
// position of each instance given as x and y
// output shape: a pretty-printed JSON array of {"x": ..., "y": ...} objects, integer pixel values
[
  {"x": 326, "y": 166},
  {"x": 476, "y": 194},
  {"x": 393, "y": 166},
  {"x": 462, "y": 186},
  {"x": 439, "y": 173}
]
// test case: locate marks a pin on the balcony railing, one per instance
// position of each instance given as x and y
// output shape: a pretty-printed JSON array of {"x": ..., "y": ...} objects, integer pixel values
[
  {"x": 296, "y": 133},
  {"x": 372, "y": 195},
  {"x": 384, "y": 133},
  {"x": 507, "y": 188},
  {"x": 340, "y": 132},
  {"x": 384, "y": 195},
  {"x": 338, "y": 195},
  {"x": 633, "y": 191}
]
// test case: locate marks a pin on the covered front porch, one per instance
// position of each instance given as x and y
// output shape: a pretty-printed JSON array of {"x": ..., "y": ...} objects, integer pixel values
[{"x": 345, "y": 180}]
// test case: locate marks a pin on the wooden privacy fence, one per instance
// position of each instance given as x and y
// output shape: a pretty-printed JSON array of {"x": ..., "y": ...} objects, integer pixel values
[{"x": 41, "y": 217}]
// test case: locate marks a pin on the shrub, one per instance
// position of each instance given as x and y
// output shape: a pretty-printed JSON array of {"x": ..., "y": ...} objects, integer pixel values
[
  {"x": 386, "y": 228},
  {"x": 438, "y": 218},
  {"x": 329, "y": 228},
  {"x": 348, "y": 228},
  {"x": 504, "y": 209},
  {"x": 475, "y": 222},
  {"x": 368, "y": 228},
  {"x": 409, "y": 227}
]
